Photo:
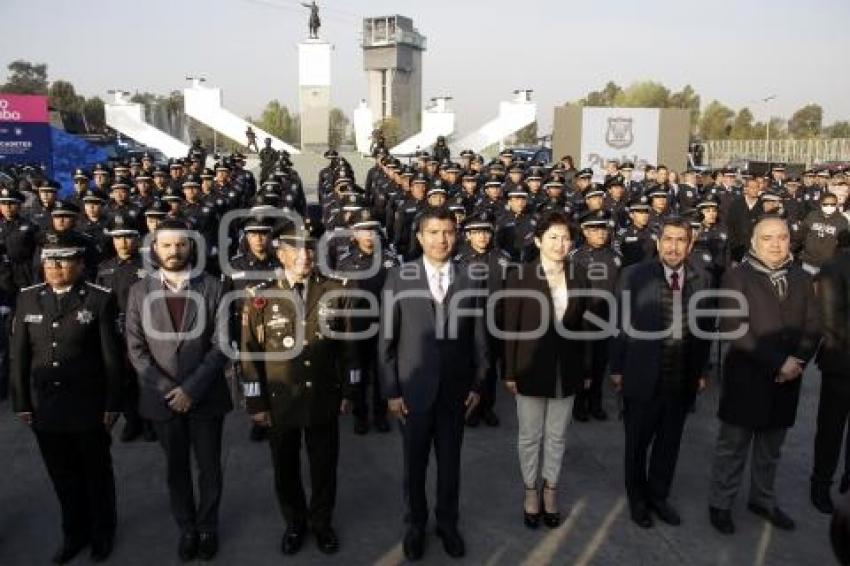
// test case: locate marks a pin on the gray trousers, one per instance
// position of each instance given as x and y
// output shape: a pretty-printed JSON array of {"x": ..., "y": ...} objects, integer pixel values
[{"x": 730, "y": 458}]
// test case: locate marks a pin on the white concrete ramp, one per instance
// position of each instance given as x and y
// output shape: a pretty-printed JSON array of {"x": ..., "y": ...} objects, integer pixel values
[
  {"x": 204, "y": 104},
  {"x": 513, "y": 116},
  {"x": 128, "y": 118},
  {"x": 437, "y": 120}
]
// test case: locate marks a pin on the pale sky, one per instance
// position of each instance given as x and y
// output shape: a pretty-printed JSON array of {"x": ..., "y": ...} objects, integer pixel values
[{"x": 479, "y": 51}]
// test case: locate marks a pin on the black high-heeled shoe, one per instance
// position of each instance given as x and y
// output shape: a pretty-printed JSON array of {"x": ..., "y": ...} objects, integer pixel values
[
  {"x": 531, "y": 520},
  {"x": 551, "y": 520}
]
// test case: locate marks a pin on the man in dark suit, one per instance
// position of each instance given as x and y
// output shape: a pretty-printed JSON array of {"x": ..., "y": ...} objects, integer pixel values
[
  {"x": 174, "y": 332},
  {"x": 66, "y": 385},
  {"x": 658, "y": 377},
  {"x": 761, "y": 371},
  {"x": 433, "y": 357}
]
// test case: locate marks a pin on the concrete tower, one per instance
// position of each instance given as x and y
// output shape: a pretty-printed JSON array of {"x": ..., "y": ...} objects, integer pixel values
[{"x": 392, "y": 58}]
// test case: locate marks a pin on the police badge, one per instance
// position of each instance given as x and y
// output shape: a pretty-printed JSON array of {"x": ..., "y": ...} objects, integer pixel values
[
  {"x": 619, "y": 134},
  {"x": 85, "y": 316}
]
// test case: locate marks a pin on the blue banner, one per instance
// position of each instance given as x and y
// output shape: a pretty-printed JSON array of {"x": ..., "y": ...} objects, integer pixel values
[{"x": 26, "y": 143}]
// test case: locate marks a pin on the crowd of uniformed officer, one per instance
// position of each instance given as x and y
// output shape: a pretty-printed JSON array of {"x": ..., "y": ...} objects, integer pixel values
[{"x": 497, "y": 204}]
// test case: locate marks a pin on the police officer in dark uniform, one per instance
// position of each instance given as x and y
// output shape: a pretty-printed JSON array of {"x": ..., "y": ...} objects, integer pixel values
[
  {"x": 202, "y": 218},
  {"x": 304, "y": 395},
  {"x": 18, "y": 241},
  {"x": 81, "y": 187},
  {"x": 143, "y": 193},
  {"x": 360, "y": 258},
  {"x": 94, "y": 223},
  {"x": 597, "y": 258},
  {"x": 712, "y": 240},
  {"x": 63, "y": 218},
  {"x": 636, "y": 242},
  {"x": 40, "y": 212},
  {"x": 493, "y": 264},
  {"x": 616, "y": 201},
  {"x": 119, "y": 273},
  {"x": 66, "y": 385},
  {"x": 405, "y": 215},
  {"x": 514, "y": 231}
]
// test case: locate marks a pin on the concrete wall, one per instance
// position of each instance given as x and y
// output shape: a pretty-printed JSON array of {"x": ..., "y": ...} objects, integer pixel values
[
  {"x": 566, "y": 132},
  {"x": 404, "y": 77},
  {"x": 315, "y": 117}
]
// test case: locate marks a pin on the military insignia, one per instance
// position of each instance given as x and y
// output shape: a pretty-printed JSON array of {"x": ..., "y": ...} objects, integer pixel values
[
  {"x": 619, "y": 134},
  {"x": 259, "y": 303},
  {"x": 288, "y": 342},
  {"x": 275, "y": 308},
  {"x": 85, "y": 316}
]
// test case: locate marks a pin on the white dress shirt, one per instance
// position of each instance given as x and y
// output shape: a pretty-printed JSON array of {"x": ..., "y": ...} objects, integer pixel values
[
  {"x": 681, "y": 272},
  {"x": 439, "y": 278}
]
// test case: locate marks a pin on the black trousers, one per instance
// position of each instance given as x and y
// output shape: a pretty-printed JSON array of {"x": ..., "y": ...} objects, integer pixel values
[
  {"x": 441, "y": 425},
  {"x": 833, "y": 411},
  {"x": 180, "y": 437},
  {"x": 80, "y": 466},
  {"x": 654, "y": 425},
  {"x": 369, "y": 381},
  {"x": 489, "y": 387},
  {"x": 322, "y": 443},
  {"x": 591, "y": 399}
]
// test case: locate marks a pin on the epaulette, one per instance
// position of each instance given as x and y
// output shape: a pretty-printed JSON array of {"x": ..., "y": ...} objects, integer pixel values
[
  {"x": 36, "y": 286},
  {"x": 99, "y": 287}
]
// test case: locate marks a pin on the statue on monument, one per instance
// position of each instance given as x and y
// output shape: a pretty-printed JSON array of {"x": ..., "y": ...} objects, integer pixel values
[{"x": 314, "y": 23}]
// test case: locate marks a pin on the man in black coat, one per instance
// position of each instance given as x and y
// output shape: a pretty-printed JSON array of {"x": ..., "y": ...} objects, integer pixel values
[
  {"x": 66, "y": 385},
  {"x": 431, "y": 368},
  {"x": 739, "y": 220},
  {"x": 833, "y": 360},
  {"x": 771, "y": 341},
  {"x": 658, "y": 377}
]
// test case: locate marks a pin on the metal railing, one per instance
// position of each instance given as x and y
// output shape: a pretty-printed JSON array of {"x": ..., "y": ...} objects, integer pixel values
[{"x": 717, "y": 153}]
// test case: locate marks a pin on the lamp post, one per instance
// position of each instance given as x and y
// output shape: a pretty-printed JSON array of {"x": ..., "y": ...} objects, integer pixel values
[{"x": 765, "y": 100}]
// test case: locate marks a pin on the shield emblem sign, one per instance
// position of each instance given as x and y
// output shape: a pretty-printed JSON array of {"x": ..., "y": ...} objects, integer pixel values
[{"x": 619, "y": 134}]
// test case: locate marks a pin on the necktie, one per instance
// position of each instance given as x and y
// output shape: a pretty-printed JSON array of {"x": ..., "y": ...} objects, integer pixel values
[
  {"x": 674, "y": 281},
  {"x": 439, "y": 291},
  {"x": 299, "y": 289}
]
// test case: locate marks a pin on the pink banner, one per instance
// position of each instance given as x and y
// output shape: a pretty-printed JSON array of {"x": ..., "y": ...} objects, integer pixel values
[{"x": 23, "y": 108}]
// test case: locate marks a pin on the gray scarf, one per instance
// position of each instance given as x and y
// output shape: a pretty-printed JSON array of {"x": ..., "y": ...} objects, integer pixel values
[{"x": 778, "y": 277}]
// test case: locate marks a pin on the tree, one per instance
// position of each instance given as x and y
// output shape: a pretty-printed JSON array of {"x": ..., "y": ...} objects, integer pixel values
[
  {"x": 63, "y": 97},
  {"x": 838, "y": 130},
  {"x": 26, "y": 78},
  {"x": 806, "y": 122},
  {"x": 391, "y": 128},
  {"x": 527, "y": 135},
  {"x": 277, "y": 121},
  {"x": 716, "y": 121},
  {"x": 742, "y": 126},
  {"x": 645, "y": 94},
  {"x": 94, "y": 115},
  {"x": 604, "y": 97},
  {"x": 339, "y": 123}
]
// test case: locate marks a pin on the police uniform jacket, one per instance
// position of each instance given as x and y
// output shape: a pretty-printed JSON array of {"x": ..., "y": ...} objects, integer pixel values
[{"x": 65, "y": 357}]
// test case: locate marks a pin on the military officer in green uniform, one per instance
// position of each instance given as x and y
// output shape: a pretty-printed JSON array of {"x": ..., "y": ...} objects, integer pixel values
[{"x": 298, "y": 376}]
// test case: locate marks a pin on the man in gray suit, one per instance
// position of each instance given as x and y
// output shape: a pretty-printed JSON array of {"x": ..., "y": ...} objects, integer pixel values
[
  {"x": 174, "y": 329},
  {"x": 432, "y": 356}
]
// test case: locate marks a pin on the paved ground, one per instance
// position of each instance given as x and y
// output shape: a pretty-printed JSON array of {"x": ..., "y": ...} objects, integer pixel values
[{"x": 368, "y": 518}]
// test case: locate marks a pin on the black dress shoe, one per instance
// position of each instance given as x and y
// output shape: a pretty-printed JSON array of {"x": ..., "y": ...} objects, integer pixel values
[
  {"x": 490, "y": 419},
  {"x": 70, "y": 548},
  {"x": 776, "y": 516},
  {"x": 452, "y": 542},
  {"x": 381, "y": 425},
  {"x": 640, "y": 515},
  {"x": 258, "y": 433},
  {"x": 821, "y": 498},
  {"x": 187, "y": 549},
  {"x": 293, "y": 539},
  {"x": 101, "y": 548},
  {"x": 844, "y": 484},
  {"x": 131, "y": 431},
  {"x": 207, "y": 546},
  {"x": 599, "y": 414},
  {"x": 361, "y": 426},
  {"x": 666, "y": 513},
  {"x": 414, "y": 543},
  {"x": 327, "y": 540},
  {"x": 721, "y": 519}
]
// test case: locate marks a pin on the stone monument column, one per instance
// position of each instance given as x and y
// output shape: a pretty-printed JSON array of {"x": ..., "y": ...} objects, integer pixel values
[{"x": 314, "y": 80}]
